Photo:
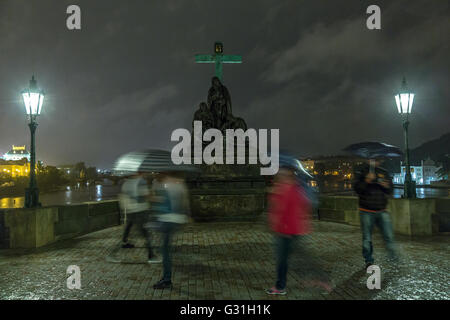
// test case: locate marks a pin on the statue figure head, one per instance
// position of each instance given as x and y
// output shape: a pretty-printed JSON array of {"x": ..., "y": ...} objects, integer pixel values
[
  {"x": 216, "y": 82},
  {"x": 203, "y": 106}
]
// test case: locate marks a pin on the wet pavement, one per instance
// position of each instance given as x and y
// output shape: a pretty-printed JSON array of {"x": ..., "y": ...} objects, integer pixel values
[{"x": 228, "y": 261}]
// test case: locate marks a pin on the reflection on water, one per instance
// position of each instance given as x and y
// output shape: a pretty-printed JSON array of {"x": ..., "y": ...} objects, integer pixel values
[
  {"x": 424, "y": 193},
  {"x": 347, "y": 189},
  {"x": 17, "y": 202},
  {"x": 99, "y": 191},
  {"x": 71, "y": 195}
]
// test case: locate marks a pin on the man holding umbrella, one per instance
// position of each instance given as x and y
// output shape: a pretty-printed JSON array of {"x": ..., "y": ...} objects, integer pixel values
[{"x": 373, "y": 186}]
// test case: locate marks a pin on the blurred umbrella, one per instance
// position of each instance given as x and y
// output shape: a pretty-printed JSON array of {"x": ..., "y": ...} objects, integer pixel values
[
  {"x": 302, "y": 176},
  {"x": 288, "y": 161},
  {"x": 373, "y": 150},
  {"x": 151, "y": 160}
]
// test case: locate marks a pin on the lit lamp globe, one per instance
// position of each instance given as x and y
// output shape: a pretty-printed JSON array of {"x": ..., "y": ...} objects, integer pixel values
[
  {"x": 404, "y": 100},
  {"x": 33, "y": 99}
]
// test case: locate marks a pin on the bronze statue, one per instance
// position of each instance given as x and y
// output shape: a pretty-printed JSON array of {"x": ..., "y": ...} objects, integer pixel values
[
  {"x": 233, "y": 122},
  {"x": 217, "y": 113},
  {"x": 204, "y": 115},
  {"x": 219, "y": 102}
]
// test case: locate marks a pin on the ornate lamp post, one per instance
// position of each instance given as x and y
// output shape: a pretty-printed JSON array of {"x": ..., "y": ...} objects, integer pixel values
[
  {"x": 404, "y": 101},
  {"x": 33, "y": 99}
]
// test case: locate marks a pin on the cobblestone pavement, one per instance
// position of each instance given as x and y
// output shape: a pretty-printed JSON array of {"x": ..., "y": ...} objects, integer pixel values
[{"x": 227, "y": 261}]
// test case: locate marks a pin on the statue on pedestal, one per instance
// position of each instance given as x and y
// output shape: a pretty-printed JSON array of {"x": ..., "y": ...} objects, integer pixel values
[
  {"x": 217, "y": 112},
  {"x": 228, "y": 192}
]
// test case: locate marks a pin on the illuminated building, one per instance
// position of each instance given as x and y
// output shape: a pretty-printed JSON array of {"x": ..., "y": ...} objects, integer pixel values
[
  {"x": 18, "y": 168},
  {"x": 332, "y": 167},
  {"x": 17, "y": 153},
  {"x": 67, "y": 169},
  {"x": 308, "y": 164},
  {"x": 423, "y": 174}
]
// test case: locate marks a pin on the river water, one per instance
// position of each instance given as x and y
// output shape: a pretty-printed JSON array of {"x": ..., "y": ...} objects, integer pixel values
[
  {"x": 71, "y": 195},
  {"x": 100, "y": 192},
  {"x": 347, "y": 189}
]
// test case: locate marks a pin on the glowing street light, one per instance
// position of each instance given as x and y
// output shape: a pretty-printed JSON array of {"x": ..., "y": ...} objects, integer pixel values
[
  {"x": 404, "y": 101},
  {"x": 33, "y": 99}
]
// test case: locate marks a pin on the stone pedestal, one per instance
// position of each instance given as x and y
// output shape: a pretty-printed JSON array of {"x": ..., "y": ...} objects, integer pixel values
[
  {"x": 28, "y": 228},
  {"x": 227, "y": 193}
]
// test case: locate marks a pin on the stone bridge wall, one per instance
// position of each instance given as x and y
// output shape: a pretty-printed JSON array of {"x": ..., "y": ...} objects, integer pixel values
[
  {"x": 32, "y": 228},
  {"x": 419, "y": 217}
]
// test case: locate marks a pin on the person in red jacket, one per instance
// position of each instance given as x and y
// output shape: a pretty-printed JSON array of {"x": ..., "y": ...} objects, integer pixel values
[{"x": 289, "y": 218}]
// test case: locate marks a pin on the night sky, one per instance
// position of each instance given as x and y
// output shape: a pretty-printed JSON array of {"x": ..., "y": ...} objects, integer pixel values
[{"x": 311, "y": 68}]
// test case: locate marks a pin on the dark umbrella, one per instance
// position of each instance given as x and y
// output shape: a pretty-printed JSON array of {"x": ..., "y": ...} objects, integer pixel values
[
  {"x": 373, "y": 150},
  {"x": 151, "y": 160}
]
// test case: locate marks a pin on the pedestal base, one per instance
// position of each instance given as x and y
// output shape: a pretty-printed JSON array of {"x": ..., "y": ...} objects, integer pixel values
[{"x": 227, "y": 193}]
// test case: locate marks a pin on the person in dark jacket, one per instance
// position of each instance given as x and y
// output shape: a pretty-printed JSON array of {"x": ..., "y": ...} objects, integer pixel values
[{"x": 373, "y": 188}]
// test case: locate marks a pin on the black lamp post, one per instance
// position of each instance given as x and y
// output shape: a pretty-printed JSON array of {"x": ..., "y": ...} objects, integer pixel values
[
  {"x": 404, "y": 101},
  {"x": 33, "y": 99}
]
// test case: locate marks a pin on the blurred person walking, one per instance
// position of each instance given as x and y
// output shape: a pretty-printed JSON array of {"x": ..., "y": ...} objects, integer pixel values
[
  {"x": 134, "y": 201},
  {"x": 373, "y": 186},
  {"x": 289, "y": 219},
  {"x": 170, "y": 203}
]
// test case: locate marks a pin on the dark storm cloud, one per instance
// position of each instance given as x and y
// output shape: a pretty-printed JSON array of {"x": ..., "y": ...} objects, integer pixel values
[
  {"x": 339, "y": 79},
  {"x": 311, "y": 68}
]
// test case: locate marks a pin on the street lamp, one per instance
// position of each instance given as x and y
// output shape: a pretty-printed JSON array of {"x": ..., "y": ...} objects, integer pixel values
[
  {"x": 33, "y": 99},
  {"x": 404, "y": 101}
]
